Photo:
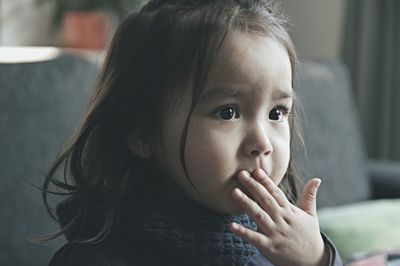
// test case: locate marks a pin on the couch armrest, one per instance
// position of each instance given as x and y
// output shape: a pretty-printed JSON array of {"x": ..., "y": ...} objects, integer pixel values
[{"x": 384, "y": 178}]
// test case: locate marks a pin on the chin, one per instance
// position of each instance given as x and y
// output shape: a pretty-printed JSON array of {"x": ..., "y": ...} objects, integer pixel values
[
  {"x": 236, "y": 212},
  {"x": 223, "y": 205},
  {"x": 231, "y": 208}
]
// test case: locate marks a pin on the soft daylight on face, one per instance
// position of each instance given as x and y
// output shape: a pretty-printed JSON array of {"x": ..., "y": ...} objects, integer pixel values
[{"x": 240, "y": 123}]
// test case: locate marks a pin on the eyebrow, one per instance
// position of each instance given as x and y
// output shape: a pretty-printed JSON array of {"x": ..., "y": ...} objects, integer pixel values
[
  {"x": 221, "y": 92},
  {"x": 282, "y": 94},
  {"x": 232, "y": 92}
]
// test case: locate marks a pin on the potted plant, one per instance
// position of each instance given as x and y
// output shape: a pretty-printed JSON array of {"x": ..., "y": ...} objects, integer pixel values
[{"x": 88, "y": 23}]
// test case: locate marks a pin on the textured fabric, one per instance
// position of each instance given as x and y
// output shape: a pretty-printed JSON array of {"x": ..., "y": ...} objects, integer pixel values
[
  {"x": 190, "y": 231},
  {"x": 39, "y": 107},
  {"x": 86, "y": 255},
  {"x": 162, "y": 231},
  {"x": 334, "y": 144},
  {"x": 335, "y": 258},
  {"x": 176, "y": 229}
]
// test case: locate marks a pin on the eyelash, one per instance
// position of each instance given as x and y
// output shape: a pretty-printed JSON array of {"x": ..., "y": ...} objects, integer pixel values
[
  {"x": 233, "y": 107},
  {"x": 285, "y": 110}
]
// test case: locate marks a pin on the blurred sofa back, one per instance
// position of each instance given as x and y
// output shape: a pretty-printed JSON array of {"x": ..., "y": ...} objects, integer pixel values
[
  {"x": 40, "y": 104},
  {"x": 335, "y": 150}
]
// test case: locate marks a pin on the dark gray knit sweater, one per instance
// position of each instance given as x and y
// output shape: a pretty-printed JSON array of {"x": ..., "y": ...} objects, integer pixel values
[{"x": 159, "y": 231}]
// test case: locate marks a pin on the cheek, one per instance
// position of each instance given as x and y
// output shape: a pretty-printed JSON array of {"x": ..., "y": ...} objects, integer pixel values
[
  {"x": 167, "y": 149},
  {"x": 209, "y": 156},
  {"x": 282, "y": 158}
]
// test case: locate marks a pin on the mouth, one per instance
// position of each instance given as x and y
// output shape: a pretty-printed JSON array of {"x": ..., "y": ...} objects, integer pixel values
[
  {"x": 236, "y": 183},
  {"x": 251, "y": 172}
]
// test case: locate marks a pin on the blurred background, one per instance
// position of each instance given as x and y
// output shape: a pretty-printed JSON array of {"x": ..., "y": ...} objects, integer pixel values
[
  {"x": 50, "y": 51},
  {"x": 363, "y": 34}
]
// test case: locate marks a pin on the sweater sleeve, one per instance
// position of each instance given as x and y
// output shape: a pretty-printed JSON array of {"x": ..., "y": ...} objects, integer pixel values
[
  {"x": 73, "y": 254},
  {"x": 335, "y": 259}
]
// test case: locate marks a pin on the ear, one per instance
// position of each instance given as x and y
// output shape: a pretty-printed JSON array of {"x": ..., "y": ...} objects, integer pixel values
[{"x": 140, "y": 147}]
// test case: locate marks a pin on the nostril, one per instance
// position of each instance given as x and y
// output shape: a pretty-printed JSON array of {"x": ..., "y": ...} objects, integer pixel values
[
  {"x": 258, "y": 153},
  {"x": 255, "y": 147}
]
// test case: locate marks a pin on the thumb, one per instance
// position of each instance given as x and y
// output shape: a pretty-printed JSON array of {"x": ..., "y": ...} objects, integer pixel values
[{"x": 308, "y": 199}]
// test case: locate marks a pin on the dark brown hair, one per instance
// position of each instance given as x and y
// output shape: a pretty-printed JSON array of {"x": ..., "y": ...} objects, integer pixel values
[{"x": 154, "y": 53}]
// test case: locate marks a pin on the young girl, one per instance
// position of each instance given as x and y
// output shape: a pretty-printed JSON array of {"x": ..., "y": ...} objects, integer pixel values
[{"x": 183, "y": 157}]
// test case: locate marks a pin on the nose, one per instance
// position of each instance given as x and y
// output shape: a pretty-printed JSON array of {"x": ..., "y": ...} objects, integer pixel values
[{"x": 257, "y": 142}]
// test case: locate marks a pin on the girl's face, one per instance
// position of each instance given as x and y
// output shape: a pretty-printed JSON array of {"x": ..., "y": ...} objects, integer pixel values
[{"x": 239, "y": 123}]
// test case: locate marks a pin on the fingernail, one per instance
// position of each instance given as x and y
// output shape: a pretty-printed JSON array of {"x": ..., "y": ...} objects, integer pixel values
[
  {"x": 317, "y": 184},
  {"x": 238, "y": 193},
  {"x": 261, "y": 173},
  {"x": 235, "y": 226}
]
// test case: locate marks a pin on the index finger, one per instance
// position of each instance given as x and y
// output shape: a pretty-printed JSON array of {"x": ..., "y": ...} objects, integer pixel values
[{"x": 273, "y": 189}]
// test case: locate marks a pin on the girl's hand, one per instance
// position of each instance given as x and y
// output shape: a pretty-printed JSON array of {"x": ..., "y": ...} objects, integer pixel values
[{"x": 286, "y": 234}]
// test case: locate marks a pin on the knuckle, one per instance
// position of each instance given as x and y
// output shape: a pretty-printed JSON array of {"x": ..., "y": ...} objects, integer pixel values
[
  {"x": 252, "y": 183},
  {"x": 277, "y": 247},
  {"x": 257, "y": 240},
  {"x": 287, "y": 219},
  {"x": 261, "y": 216},
  {"x": 276, "y": 192},
  {"x": 243, "y": 231},
  {"x": 266, "y": 199},
  {"x": 292, "y": 209},
  {"x": 310, "y": 197}
]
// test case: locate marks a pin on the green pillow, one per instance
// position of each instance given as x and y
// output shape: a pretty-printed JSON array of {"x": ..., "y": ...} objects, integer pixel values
[{"x": 362, "y": 228}]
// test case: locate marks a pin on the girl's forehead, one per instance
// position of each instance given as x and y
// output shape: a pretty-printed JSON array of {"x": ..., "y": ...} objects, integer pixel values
[
  {"x": 240, "y": 42},
  {"x": 232, "y": 92},
  {"x": 251, "y": 60}
]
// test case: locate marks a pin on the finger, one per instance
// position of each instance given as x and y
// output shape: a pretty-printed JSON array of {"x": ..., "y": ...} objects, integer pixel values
[
  {"x": 259, "y": 192},
  {"x": 260, "y": 217},
  {"x": 272, "y": 188},
  {"x": 308, "y": 199},
  {"x": 257, "y": 239}
]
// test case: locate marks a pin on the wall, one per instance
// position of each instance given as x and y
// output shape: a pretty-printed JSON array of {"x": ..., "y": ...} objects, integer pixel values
[
  {"x": 317, "y": 30},
  {"x": 25, "y": 22},
  {"x": 318, "y": 26}
]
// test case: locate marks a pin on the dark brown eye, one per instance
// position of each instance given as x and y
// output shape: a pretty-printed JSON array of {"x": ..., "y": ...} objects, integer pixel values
[
  {"x": 278, "y": 113},
  {"x": 275, "y": 114},
  {"x": 227, "y": 113}
]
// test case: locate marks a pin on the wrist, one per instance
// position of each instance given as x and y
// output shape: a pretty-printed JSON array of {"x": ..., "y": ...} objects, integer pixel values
[{"x": 326, "y": 259}]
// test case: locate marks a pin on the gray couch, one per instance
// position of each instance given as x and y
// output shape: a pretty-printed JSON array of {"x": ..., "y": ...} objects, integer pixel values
[
  {"x": 335, "y": 150},
  {"x": 40, "y": 104}
]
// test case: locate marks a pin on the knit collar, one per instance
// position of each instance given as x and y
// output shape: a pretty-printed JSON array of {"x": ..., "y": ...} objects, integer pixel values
[
  {"x": 186, "y": 230},
  {"x": 157, "y": 223}
]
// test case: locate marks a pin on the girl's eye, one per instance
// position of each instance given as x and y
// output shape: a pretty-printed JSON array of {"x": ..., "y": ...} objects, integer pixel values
[
  {"x": 227, "y": 113},
  {"x": 279, "y": 113}
]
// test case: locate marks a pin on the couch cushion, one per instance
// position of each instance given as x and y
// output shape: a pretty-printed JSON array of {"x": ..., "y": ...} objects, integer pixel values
[
  {"x": 332, "y": 133},
  {"x": 39, "y": 106}
]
